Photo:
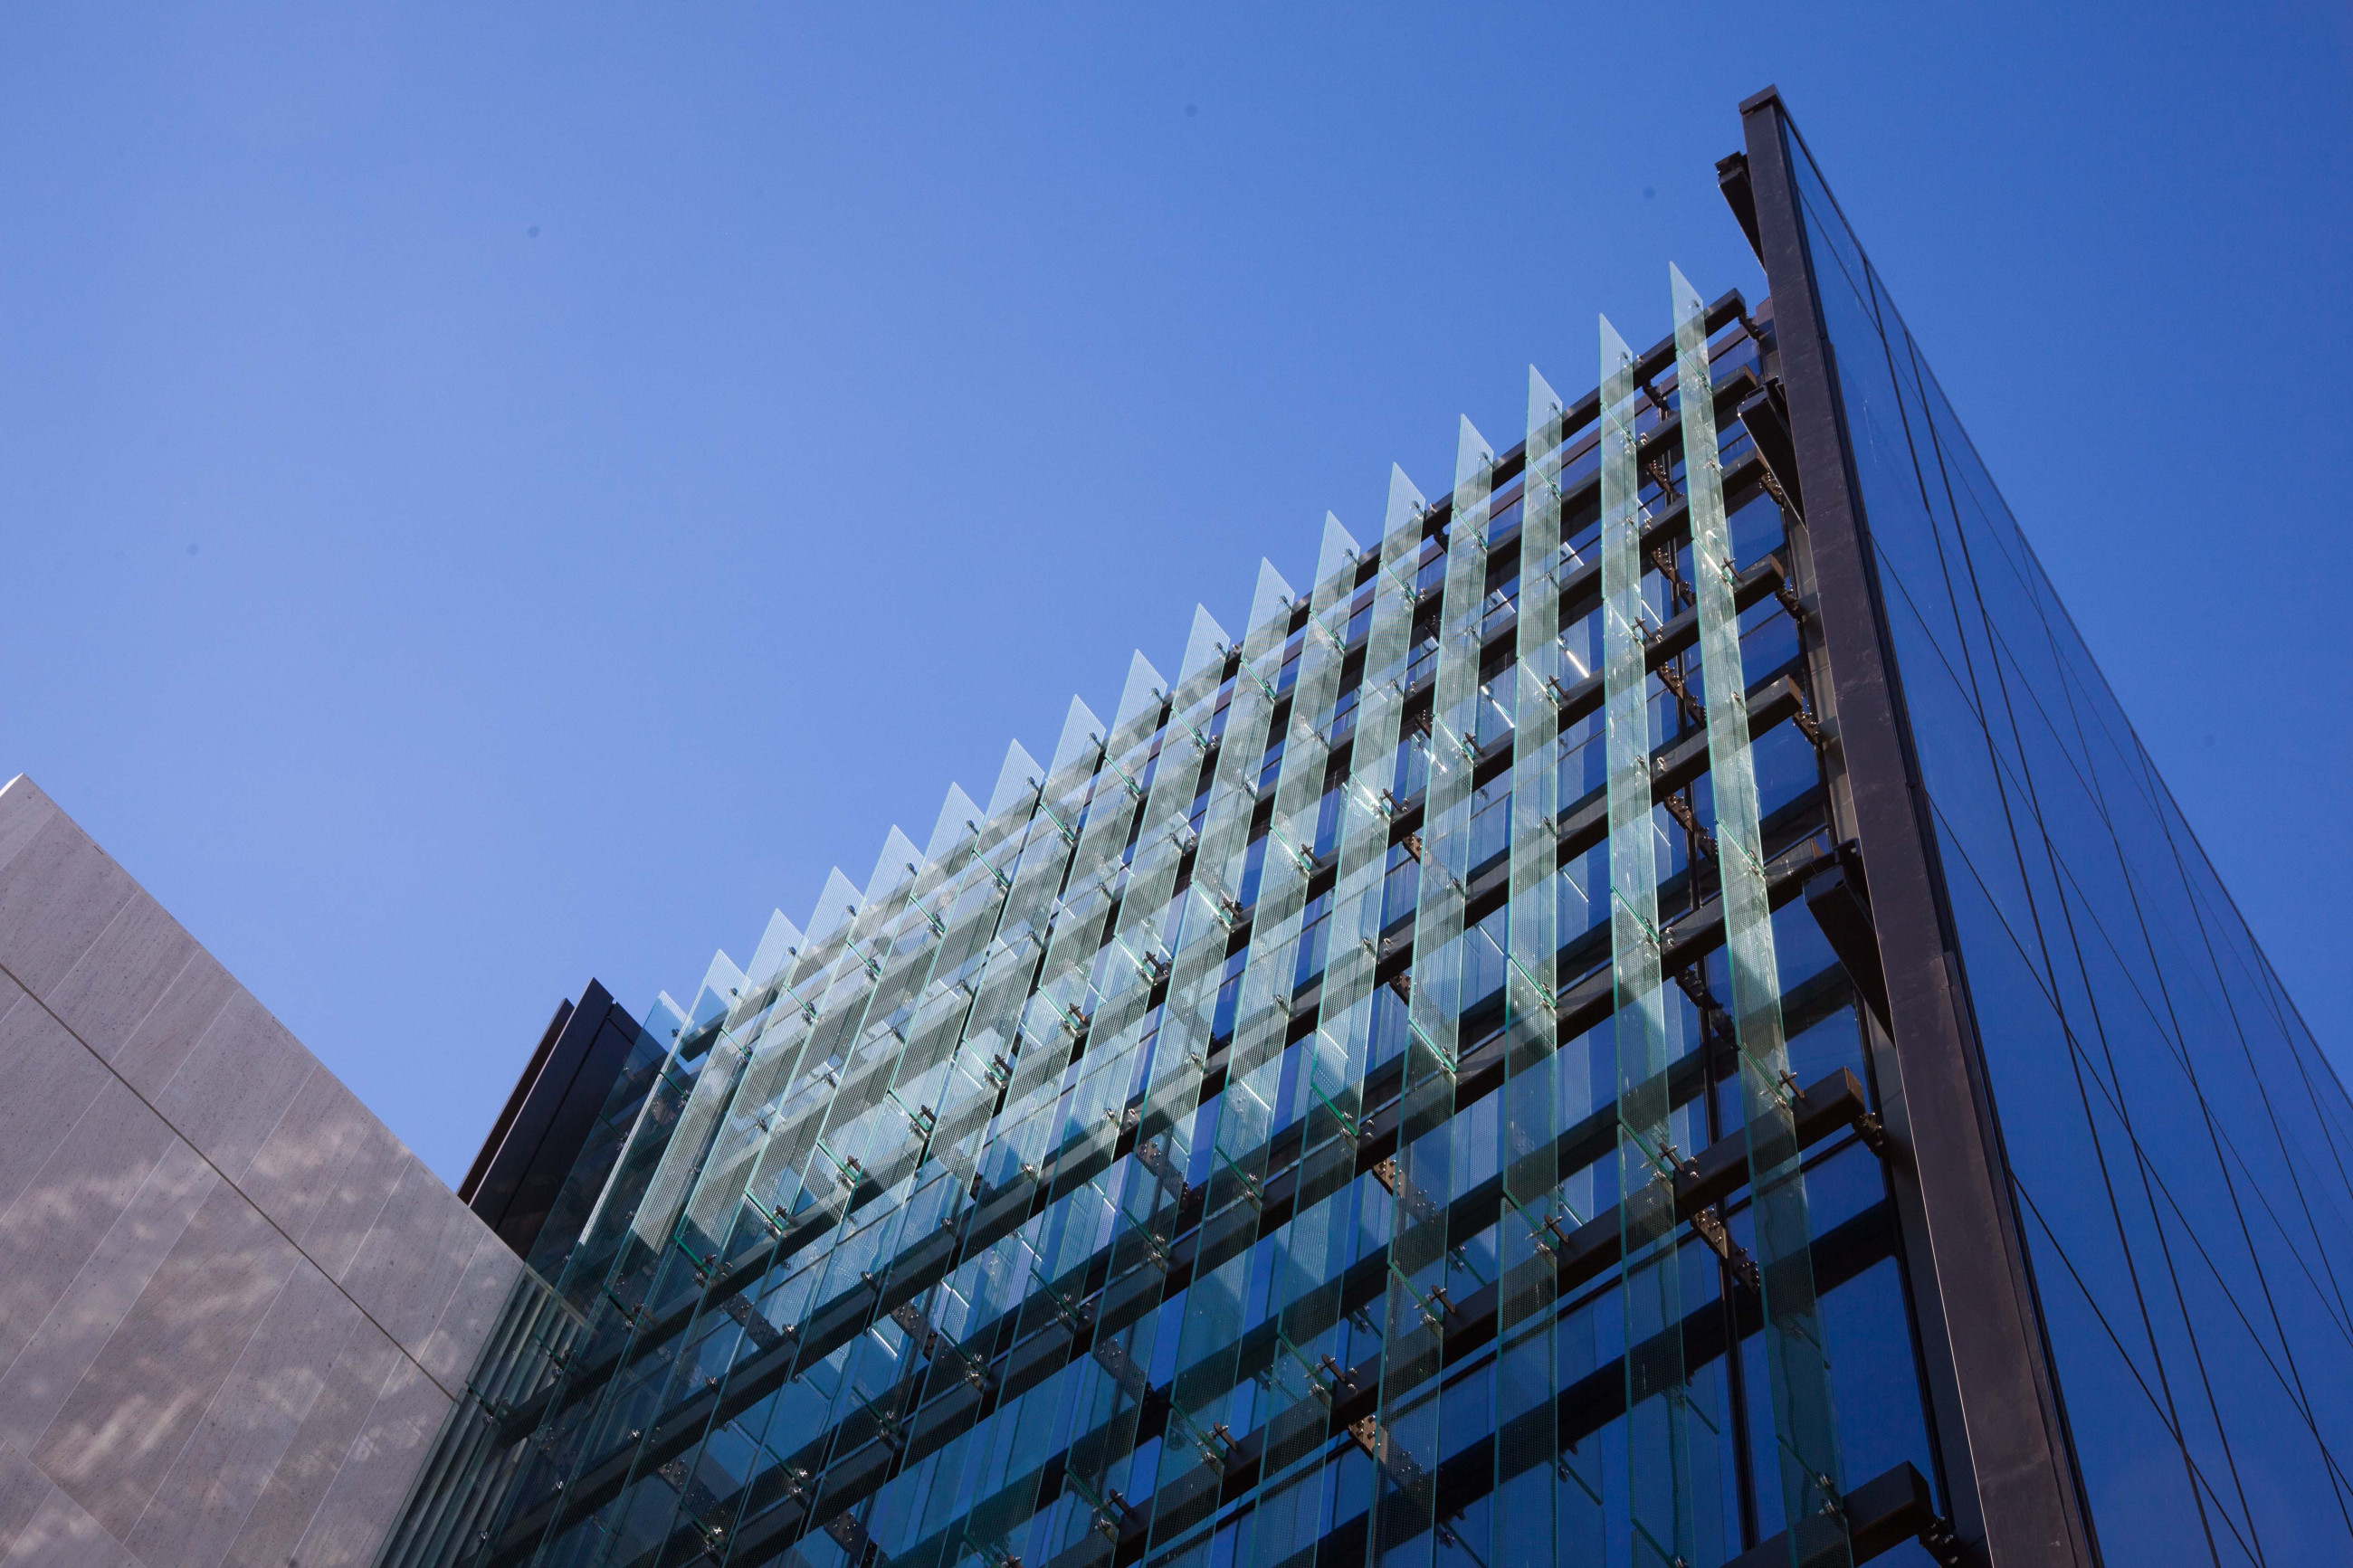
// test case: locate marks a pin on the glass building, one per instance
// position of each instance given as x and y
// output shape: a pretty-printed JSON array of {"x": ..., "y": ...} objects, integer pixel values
[{"x": 1654, "y": 1012}]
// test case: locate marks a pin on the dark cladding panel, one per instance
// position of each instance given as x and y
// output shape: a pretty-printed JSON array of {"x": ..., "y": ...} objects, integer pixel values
[
  {"x": 491, "y": 1199},
  {"x": 525, "y": 1164}
]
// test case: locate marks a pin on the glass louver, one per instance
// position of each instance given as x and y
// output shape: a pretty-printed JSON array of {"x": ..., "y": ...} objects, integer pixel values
[{"x": 1335, "y": 1111}]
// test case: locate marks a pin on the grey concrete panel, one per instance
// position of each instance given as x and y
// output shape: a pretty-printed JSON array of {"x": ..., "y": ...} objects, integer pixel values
[
  {"x": 473, "y": 1311},
  {"x": 367, "y": 1493},
  {"x": 199, "y": 1229},
  {"x": 67, "y": 1342},
  {"x": 51, "y": 1082},
  {"x": 22, "y": 1490},
  {"x": 155, "y": 1049},
  {"x": 235, "y": 1087},
  {"x": 326, "y": 1171},
  {"x": 409, "y": 1268},
  {"x": 276, "y": 1524},
  {"x": 129, "y": 1417},
  {"x": 61, "y": 1535},
  {"x": 24, "y": 812},
  {"x": 73, "y": 1201},
  {"x": 197, "y": 1511},
  {"x": 57, "y": 894},
  {"x": 114, "y": 985}
]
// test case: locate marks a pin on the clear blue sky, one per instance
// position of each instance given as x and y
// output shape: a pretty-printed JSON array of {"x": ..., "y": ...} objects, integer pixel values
[{"x": 498, "y": 494}]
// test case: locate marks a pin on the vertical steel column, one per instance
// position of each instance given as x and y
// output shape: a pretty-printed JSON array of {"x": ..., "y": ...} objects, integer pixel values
[{"x": 2006, "y": 1462}]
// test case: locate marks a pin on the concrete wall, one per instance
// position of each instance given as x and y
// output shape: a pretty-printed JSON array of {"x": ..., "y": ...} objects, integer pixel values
[{"x": 234, "y": 1308}]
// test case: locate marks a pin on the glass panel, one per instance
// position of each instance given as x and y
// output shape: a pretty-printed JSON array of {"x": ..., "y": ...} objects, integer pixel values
[
  {"x": 1671, "y": 1480},
  {"x": 894, "y": 896},
  {"x": 683, "y": 1155},
  {"x": 1005, "y": 1069},
  {"x": 1035, "y": 1137},
  {"x": 1003, "y": 1283},
  {"x": 1315, "y": 1335},
  {"x": 1214, "y": 910},
  {"x": 2178, "y": 1174},
  {"x": 1426, "y": 1268},
  {"x": 1229, "y": 1273},
  {"x": 1805, "y": 1428},
  {"x": 1546, "y": 1515},
  {"x": 1149, "y": 1186}
]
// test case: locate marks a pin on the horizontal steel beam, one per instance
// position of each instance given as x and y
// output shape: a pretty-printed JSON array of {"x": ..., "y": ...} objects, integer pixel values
[
  {"x": 1584, "y": 825},
  {"x": 1000, "y": 1214},
  {"x": 1580, "y": 1410},
  {"x": 1830, "y": 1105}
]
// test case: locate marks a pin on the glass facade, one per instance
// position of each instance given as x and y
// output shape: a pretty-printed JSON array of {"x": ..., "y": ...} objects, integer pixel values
[
  {"x": 1402, "y": 1092},
  {"x": 2175, "y": 1144}
]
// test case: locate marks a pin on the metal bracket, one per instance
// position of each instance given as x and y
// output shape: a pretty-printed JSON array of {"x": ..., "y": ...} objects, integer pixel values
[
  {"x": 1872, "y": 1132},
  {"x": 758, "y": 1329},
  {"x": 1154, "y": 1156},
  {"x": 1663, "y": 558},
  {"x": 1787, "y": 591},
  {"x": 1386, "y": 1452},
  {"x": 1693, "y": 708},
  {"x": 1708, "y": 1225},
  {"x": 915, "y": 1327},
  {"x": 1809, "y": 726},
  {"x": 851, "y": 1537},
  {"x": 1680, "y": 809},
  {"x": 1660, "y": 469},
  {"x": 1943, "y": 1543},
  {"x": 1409, "y": 1197}
]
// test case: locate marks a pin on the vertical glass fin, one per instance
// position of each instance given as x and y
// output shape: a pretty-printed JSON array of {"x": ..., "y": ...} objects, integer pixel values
[
  {"x": 775, "y": 943},
  {"x": 1805, "y": 1428},
  {"x": 1215, "y": 906},
  {"x": 1140, "y": 698},
  {"x": 1082, "y": 737},
  {"x": 1427, "y": 1268},
  {"x": 1230, "y": 1278},
  {"x": 1547, "y": 1516},
  {"x": 1668, "y": 1485},
  {"x": 1203, "y": 646},
  {"x": 833, "y": 905},
  {"x": 1016, "y": 780},
  {"x": 895, "y": 864},
  {"x": 1337, "y": 553}
]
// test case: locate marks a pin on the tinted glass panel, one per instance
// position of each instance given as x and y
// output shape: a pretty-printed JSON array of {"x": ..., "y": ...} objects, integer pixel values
[{"x": 2177, "y": 1145}]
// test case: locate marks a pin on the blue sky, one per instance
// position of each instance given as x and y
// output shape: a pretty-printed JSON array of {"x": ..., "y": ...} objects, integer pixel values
[{"x": 495, "y": 494}]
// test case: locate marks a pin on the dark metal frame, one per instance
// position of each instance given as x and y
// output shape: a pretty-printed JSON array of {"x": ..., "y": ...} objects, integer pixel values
[{"x": 2009, "y": 1478}]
